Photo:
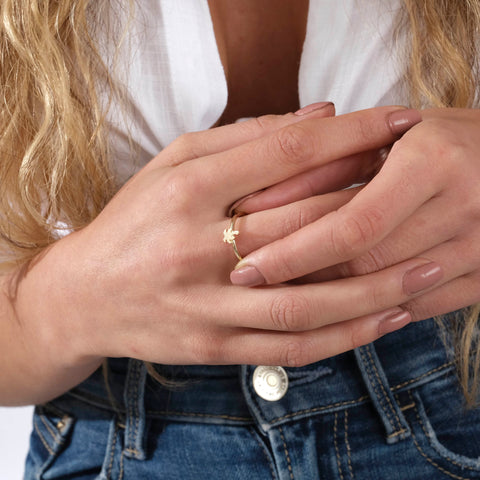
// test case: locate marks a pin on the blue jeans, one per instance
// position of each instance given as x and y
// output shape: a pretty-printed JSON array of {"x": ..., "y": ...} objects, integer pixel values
[{"x": 390, "y": 410}]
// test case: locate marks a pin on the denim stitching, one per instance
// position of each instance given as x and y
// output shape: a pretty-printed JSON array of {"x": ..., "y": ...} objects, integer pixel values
[
  {"x": 98, "y": 404},
  {"x": 131, "y": 450},
  {"x": 136, "y": 408},
  {"x": 47, "y": 426},
  {"x": 112, "y": 452},
  {"x": 131, "y": 406},
  {"x": 267, "y": 456},
  {"x": 131, "y": 431},
  {"x": 201, "y": 415},
  {"x": 368, "y": 367},
  {"x": 133, "y": 410},
  {"x": 319, "y": 409},
  {"x": 432, "y": 462},
  {"x": 454, "y": 462},
  {"x": 404, "y": 384},
  {"x": 289, "y": 463},
  {"x": 228, "y": 417},
  {"x": 347, "y": 443},
  {"x": 129, "y": 409},
  {"x": 120, "y": 476},
  {"x": 385, "y": 395},
  {"x": 43, "y": 440},
  {"x": 397, "y": 433},
  {"x": 429, "y": 460},
  {"x": 301, "y": 412},
  {"x": 337, "y": 453}
]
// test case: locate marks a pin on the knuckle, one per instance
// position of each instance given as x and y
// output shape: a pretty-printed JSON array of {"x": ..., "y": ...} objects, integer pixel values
[
  {"x": 369, "y": 262},
  {"x": 295, "y": 219},
  {"x": 185, "y": 145},
  {"x": 289, "y": 312},
  {"x": 364, "y": 128},
  {"x": 281, "y": 267},
  {"x": 416, "y": 309},
  {"x": 265, "y": 122},
  {"x": 294, "y": 144},
  {"x": 177, "y": 192},
  {"x": 450, "y": 152},
  {"x": 443, "y": 147},
  {"x": 183, "y": 188},
  {"x": 439, "y": 130},
  {"x": 378, "y": 297},
  {"x": 357, "y": 337},
  {"x": 353, "y": 234},
  {"x": 470, "y": 199},
  {"x": 296, "y": 352}
]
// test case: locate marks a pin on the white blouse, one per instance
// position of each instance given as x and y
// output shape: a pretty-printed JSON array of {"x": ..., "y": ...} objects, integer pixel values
[{"x": 171, "y": 68}]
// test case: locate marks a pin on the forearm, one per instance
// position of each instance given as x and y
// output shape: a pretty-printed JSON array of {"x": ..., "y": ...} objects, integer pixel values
[{"x": 39, "y": 349}]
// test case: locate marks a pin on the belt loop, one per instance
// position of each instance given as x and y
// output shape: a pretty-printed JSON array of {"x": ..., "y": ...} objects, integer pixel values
[
  {"x": 382, "y": 397},
  {"x": 135, "y": 410}
]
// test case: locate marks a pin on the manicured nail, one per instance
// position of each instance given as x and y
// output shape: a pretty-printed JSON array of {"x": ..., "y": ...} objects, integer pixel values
[
  {"x": 313, "y": 107},
  {"x": 402, "y": 120},
  {"x": 234, "y": 207},
  {"x": 420, "y": 278},
  {"x": 393, "y": 321},
  {"x": 247, "y": 276}
]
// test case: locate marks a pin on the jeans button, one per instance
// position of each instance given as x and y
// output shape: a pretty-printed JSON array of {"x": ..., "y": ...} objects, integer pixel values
[{"x": 270, "y": 383}]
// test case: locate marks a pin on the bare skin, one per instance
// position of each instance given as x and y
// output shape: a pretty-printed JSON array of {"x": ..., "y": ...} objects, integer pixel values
[
  {"x": 260, "y": 44},
  {"x": 149, "y": 278}
]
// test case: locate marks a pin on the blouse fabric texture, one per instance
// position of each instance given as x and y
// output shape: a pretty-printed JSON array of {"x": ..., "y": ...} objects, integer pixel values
[
  {"x": 391, "y": 409},
  {"x": 173, "y": 75}
]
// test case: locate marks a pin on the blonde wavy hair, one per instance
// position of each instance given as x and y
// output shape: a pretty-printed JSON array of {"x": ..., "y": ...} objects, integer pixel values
[{"x": 55, "y": 171}]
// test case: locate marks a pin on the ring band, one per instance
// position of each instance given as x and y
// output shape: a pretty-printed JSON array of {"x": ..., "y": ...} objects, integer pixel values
[{"x": 230, "y": 233}]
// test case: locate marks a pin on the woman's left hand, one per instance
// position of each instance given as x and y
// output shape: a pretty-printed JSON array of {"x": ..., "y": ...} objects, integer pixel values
[{"x": 423, "y": 203}]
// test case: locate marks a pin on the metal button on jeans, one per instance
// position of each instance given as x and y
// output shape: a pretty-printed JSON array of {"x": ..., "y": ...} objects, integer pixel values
[{"x": 270, "y": 383}]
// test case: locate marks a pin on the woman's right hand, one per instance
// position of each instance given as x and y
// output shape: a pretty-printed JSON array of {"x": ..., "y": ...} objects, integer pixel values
[{"x": 149, "y": 277}]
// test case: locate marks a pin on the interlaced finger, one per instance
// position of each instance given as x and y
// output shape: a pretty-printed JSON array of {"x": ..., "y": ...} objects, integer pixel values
[
  {"x": 311, "y": 306},
  {"x": 294, "y": 149},
  {"x": 392, "y": 197}
]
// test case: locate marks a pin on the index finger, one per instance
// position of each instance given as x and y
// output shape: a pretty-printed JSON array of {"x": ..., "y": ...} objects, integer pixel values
[
  {"x": 193, "y": 145},
  {"x": 297, "y": 148},
  {"x": 393, "y": 196}
]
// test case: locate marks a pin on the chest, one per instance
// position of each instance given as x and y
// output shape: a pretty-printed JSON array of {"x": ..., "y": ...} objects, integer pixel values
[{"x": 260, "y": 45}]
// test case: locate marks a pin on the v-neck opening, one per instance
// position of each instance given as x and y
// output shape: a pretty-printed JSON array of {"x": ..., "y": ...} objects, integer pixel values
[{"x": 212, "y": 39}]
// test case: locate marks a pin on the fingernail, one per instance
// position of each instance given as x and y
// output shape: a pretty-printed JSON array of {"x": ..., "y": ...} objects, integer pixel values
[
  {"x": 420, "y": 278},
  {"x": 313, "y": 107},
  {"x": 247, "y": 276},
  {"x": 393, "y": 321},
  {"x": 402, "y": 120},
  {"x": 233, "y": 208}
]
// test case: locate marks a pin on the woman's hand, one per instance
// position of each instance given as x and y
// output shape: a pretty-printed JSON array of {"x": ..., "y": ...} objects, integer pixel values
[
  {"x": 149, "y": 278},
  {"x": 423, "y": 204}
]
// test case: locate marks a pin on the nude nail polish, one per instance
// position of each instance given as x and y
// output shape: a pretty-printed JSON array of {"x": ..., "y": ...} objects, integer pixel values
[
  {"x": 313, "y": 107},
  {"x": 421, "y": 278},
  {"x": 402, "y": 120},
  {"x": 393, "y": 322},
  {"x": 247, "y": 276}
]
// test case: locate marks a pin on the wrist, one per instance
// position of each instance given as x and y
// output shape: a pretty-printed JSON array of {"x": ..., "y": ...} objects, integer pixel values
[{"x": 52, "y": 319}]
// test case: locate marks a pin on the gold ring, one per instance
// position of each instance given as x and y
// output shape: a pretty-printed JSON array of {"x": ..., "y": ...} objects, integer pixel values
[{"x": 230, "y": 233}]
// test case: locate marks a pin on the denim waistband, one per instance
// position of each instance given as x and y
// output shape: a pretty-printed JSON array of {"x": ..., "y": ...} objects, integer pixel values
[{"x": 225, "y": 394}]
